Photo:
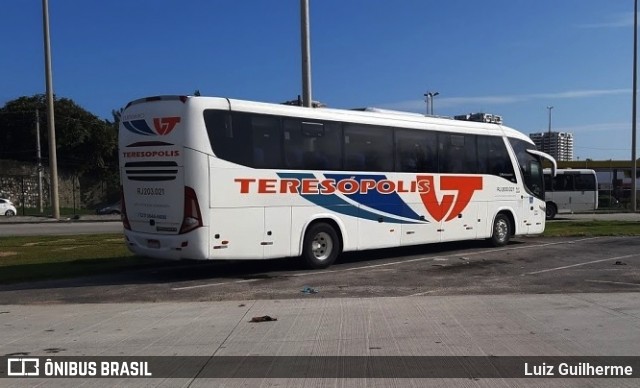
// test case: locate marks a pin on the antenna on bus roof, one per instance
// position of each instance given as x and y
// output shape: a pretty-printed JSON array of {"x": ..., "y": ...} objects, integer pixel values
[
  {"x": 480, "y": 118},
  {"x": 389, "y": 111},
  {"x": 298, "y": 102}
]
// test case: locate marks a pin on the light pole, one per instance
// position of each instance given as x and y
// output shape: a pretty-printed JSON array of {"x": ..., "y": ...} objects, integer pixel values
[
  {"x": 53, "y": 159},
  {"x": 429, "y": 99},
  {"x": 549, "y": 132},
  {"x": 306, "y": 53},
  {"x": 633, "y": 103}
]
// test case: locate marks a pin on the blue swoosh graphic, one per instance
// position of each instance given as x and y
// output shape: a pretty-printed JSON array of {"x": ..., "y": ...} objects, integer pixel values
[
  {"x": 139, "y": 127},
  {"x": 339, "y": 205},
  {"x": 389, "y": 203}
]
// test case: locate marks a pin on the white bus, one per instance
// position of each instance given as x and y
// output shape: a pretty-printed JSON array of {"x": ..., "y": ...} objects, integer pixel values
[
  {"x": 215, "y": 178},
  {"x": 571, "y": 190}
]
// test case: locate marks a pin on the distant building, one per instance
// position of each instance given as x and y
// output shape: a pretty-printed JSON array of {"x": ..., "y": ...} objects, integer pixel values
[{"x": 557, "y": 144}]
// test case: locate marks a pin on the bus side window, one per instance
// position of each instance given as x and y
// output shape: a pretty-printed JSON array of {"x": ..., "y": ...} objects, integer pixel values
[
  {"x": 493, "y": 158},
  {"x": 563, "y": 182},
  {"x": 416, "y": 151},
  {"x": 294, "y": 146},
  {"x": 585, "y": 182},
  {"x": 312, "y": 145},
  {"x": 229, "y": 135},
  {"x": 458, "y": 154},
  {"x": 267, "y": 152},
  {"x": 548, "y": 182},
  {"x": 369, "y": 144}
]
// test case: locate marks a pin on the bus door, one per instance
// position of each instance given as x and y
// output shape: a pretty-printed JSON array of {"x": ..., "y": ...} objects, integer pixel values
[
  {"x": 527, "y": 212},
  {"x": 563, "y": 189},
  {"x": 585, "y": 192}
]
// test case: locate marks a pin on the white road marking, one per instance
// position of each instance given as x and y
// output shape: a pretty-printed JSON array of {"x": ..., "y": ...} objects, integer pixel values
[
  {"x": 213, "y": 284},
  {"x": 610, "y": 282},
  {"x": 422, "y": 293},
  {"x": 579, "y": 264}
]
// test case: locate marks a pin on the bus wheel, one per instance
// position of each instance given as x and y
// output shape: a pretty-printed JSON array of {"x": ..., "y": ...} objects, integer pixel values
[
  {"x": 552, "y": 210},
  {"x": 501, "y": 230},
  {"x": 321, "y": 246}
]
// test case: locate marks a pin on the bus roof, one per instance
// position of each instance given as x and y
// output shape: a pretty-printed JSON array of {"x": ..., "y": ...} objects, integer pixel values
[
  {"x": 571, "y": 171},
  {"x": 373, "y": 116}
]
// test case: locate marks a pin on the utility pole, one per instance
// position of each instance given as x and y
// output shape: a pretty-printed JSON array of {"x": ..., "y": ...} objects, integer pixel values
[
  {"x": 549, "y": 134},
  {"x": 39, "y": 158},
  {"x": 306, "y": 54},
  {"x": 634, "y": 169},
  {"x": 53, "y": 159}
]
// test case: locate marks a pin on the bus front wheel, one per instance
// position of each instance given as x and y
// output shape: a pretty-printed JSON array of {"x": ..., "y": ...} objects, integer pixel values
[
  {"x": 552, "y": 210},
  {"x": 321, "y": 246},
  {"x": 501, "y": 230}
]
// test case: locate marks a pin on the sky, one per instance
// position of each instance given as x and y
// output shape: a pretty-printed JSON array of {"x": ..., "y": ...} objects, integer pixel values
[{"x": 514, "y": 58}]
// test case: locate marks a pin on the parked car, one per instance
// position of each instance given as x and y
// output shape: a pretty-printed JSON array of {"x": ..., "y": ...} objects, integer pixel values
[
  {"x": 7, "y": 208},
  {"x": 114, "y": 208}
]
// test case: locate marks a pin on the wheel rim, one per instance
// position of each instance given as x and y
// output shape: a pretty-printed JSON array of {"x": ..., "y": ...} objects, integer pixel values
[
  {"x": 9, "y": 213},
  {"x": 321, "y": 246},
  {"x": 501, "y": 229},
  {"x": 550, "y": 211}
]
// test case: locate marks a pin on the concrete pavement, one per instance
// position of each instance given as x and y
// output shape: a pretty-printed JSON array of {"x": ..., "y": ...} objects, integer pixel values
[{"x": 497, "y": 325}]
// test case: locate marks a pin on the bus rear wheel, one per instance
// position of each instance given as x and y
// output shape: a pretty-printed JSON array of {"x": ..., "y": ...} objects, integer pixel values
[
  {"x": 321, "y": 246},
  {"x": 501, "y": 231}
]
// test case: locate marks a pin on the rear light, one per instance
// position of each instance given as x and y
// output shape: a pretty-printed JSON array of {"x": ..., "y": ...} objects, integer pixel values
[
  {"x": 123, "y": 211},
  {"x": 192, "y": 216}
]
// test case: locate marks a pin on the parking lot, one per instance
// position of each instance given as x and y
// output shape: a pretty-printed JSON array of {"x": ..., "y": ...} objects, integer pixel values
[
  {"x": 554, "y": 297},
  {"x": 525, "y": 266}
]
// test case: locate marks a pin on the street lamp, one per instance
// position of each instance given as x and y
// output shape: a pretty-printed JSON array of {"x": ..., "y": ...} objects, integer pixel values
[{"x": 429, "y": 99}]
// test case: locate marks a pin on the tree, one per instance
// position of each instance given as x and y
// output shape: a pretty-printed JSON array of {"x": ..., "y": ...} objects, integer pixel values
[
  {"x": 84, "y": 142},
  {"x": 86, "y": 145}
]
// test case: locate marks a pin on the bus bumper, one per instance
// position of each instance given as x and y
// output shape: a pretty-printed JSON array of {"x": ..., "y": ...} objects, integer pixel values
[{"x": 193, "y": 245}]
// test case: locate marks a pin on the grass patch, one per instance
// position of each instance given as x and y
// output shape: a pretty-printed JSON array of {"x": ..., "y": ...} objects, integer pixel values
[
  {"x": 53, "y": 257},
  {"x": 47, "y": 211},
  {"x": 591, "y": 228}
]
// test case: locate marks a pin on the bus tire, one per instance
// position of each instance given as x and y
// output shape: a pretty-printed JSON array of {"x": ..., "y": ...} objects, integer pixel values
[
  {"x": 552, "y": 210},
  {"x": 321, "y": 246},
  {"x": 501, "y": 231}
]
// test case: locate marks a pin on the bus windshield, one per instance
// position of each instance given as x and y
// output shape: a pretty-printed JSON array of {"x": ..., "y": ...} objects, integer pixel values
[{"x": 530, "y": 167}]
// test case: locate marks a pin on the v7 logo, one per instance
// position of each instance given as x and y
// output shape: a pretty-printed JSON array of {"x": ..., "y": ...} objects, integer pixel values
[
  {"x": 164, "y": 125},
  {"x": 464, "y": 186}
]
